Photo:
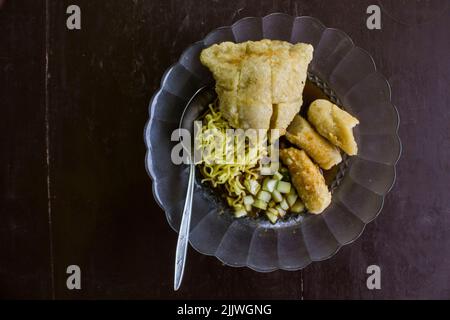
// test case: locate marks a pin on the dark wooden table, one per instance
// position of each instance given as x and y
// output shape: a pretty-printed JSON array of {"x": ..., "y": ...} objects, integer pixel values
[{"x": 74, "y": 190}]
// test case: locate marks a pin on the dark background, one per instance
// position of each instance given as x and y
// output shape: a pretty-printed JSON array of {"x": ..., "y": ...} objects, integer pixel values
[{"x": 73, "y": 186}]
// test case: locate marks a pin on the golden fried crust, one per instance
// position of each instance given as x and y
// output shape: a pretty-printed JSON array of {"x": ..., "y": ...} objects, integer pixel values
[
  {"x": 334, "y": 124},
  {"x": 254, "y": 100},
  {"x": 307, "y": 179},
  {"x": 318, "y": 148},
  {"x": 224, "y": 61},
  {"x": 283, "y": 113},
  {"x": 289, "y": 71},
  {"x": 228, "y": 105},
  {"x": 254, "y": 76}
]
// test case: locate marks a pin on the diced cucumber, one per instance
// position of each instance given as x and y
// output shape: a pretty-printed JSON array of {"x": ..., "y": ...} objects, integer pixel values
[
  {"x": 252, "y": 186},
  {"x": 264, "y": 196},
  {"x": 277, "y": 176},
  {"x": 265, "y": 171},
  {"x": 272, "y": 204},
  {"x": 276, "y": 196},
  {"x": 283, "y": 186},
  {"x": 269, "y": 184},
  {"x": 273, "y": 217},
  {"x": 281, "y": 211},
  {"x": 298, "y": 206},
  {"x": 284, "y": 205},
  {"x": 291, "y": 198},
  {"x": 248, "y": 200},
  {"x": 260, "y": 204},
  {"x": 240, "y": 212},
  {"x": 248, "y": 207},
  {"x": 292, "y": 191},
  {"x": 264, "y": 184}
]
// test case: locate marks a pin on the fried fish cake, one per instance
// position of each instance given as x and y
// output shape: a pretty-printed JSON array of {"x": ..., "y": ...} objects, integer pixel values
[
  {"x": 334, "y": 124},
  {"x": 259, "y": 83},
  {"x": 317, "y": 147},
  {"x": 289, "y": 72},
  {"x": 254, "y": 96},
  {"x": 307, "y": 179},
  {"x": 282, "y": 115},
  {"x": 224, "y": 61}
]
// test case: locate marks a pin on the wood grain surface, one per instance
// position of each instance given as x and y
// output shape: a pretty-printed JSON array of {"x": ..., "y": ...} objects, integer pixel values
[{"x": 73, "y": 186}]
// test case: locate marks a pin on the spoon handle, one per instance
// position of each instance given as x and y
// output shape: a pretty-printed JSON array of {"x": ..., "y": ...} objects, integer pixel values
[{"x": 183, "y": 234}]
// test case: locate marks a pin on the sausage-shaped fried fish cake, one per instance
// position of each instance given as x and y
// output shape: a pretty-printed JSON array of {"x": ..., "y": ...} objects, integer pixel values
[
  {"x": 307, "y": 179},
  {"x": 334, "y": 124},
  {"x": 317, "y": 147}
]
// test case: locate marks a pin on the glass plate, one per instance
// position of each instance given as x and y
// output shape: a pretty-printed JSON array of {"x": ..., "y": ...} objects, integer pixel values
[{"x": 348, "y": 76}]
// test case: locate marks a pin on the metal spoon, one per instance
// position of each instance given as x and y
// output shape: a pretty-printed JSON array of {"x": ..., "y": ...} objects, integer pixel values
[{"x": 194, "y": 109}]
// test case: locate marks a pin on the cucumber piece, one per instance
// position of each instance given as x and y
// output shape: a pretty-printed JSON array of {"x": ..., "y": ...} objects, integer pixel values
[
  {"x": 248, "y": 200},
  {"x": 283, "y": 186},
  {"x": 252, "y": 186},
  {"x": 273, "y": 217},
  {"x": 276, "y": 196},
  {"x": 265, "y": 171},
  {"x": 298, "y": 206},
  {"x": 277, "y": 176},
  {"x": 284, "y": 205},
  {"x": 292, "y": 191},
  {"x": 240, "y": 212},
  {"x": 291, "y": 198},
  {"x": 272, "y": 204},
  {"x": 281, "y": 211},
  {"x": 248, "y": 207},
  {"x": 269, "y": 184},
  {"x": 264, "y": 196},
  {"x": 260, "y": 204}
]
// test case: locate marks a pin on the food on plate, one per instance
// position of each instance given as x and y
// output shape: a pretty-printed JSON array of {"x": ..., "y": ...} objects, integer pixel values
[
  {"x": 289, "y": 73},
  {"x": 259, "y": 83},
  {"x": 247, "y": 191},
  {"x": 233, "y": 177},
  {"x": 334, "y": 124},
  {"x": 301, "y": 134},
  {"x": 254, "y": 92},
  {"x": 224, "y": 62},
  {"x": 307, "y": 179}
]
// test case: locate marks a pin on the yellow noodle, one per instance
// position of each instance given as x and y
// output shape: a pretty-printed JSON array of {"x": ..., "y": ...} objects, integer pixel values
[{"x": 214, "y": 169}]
